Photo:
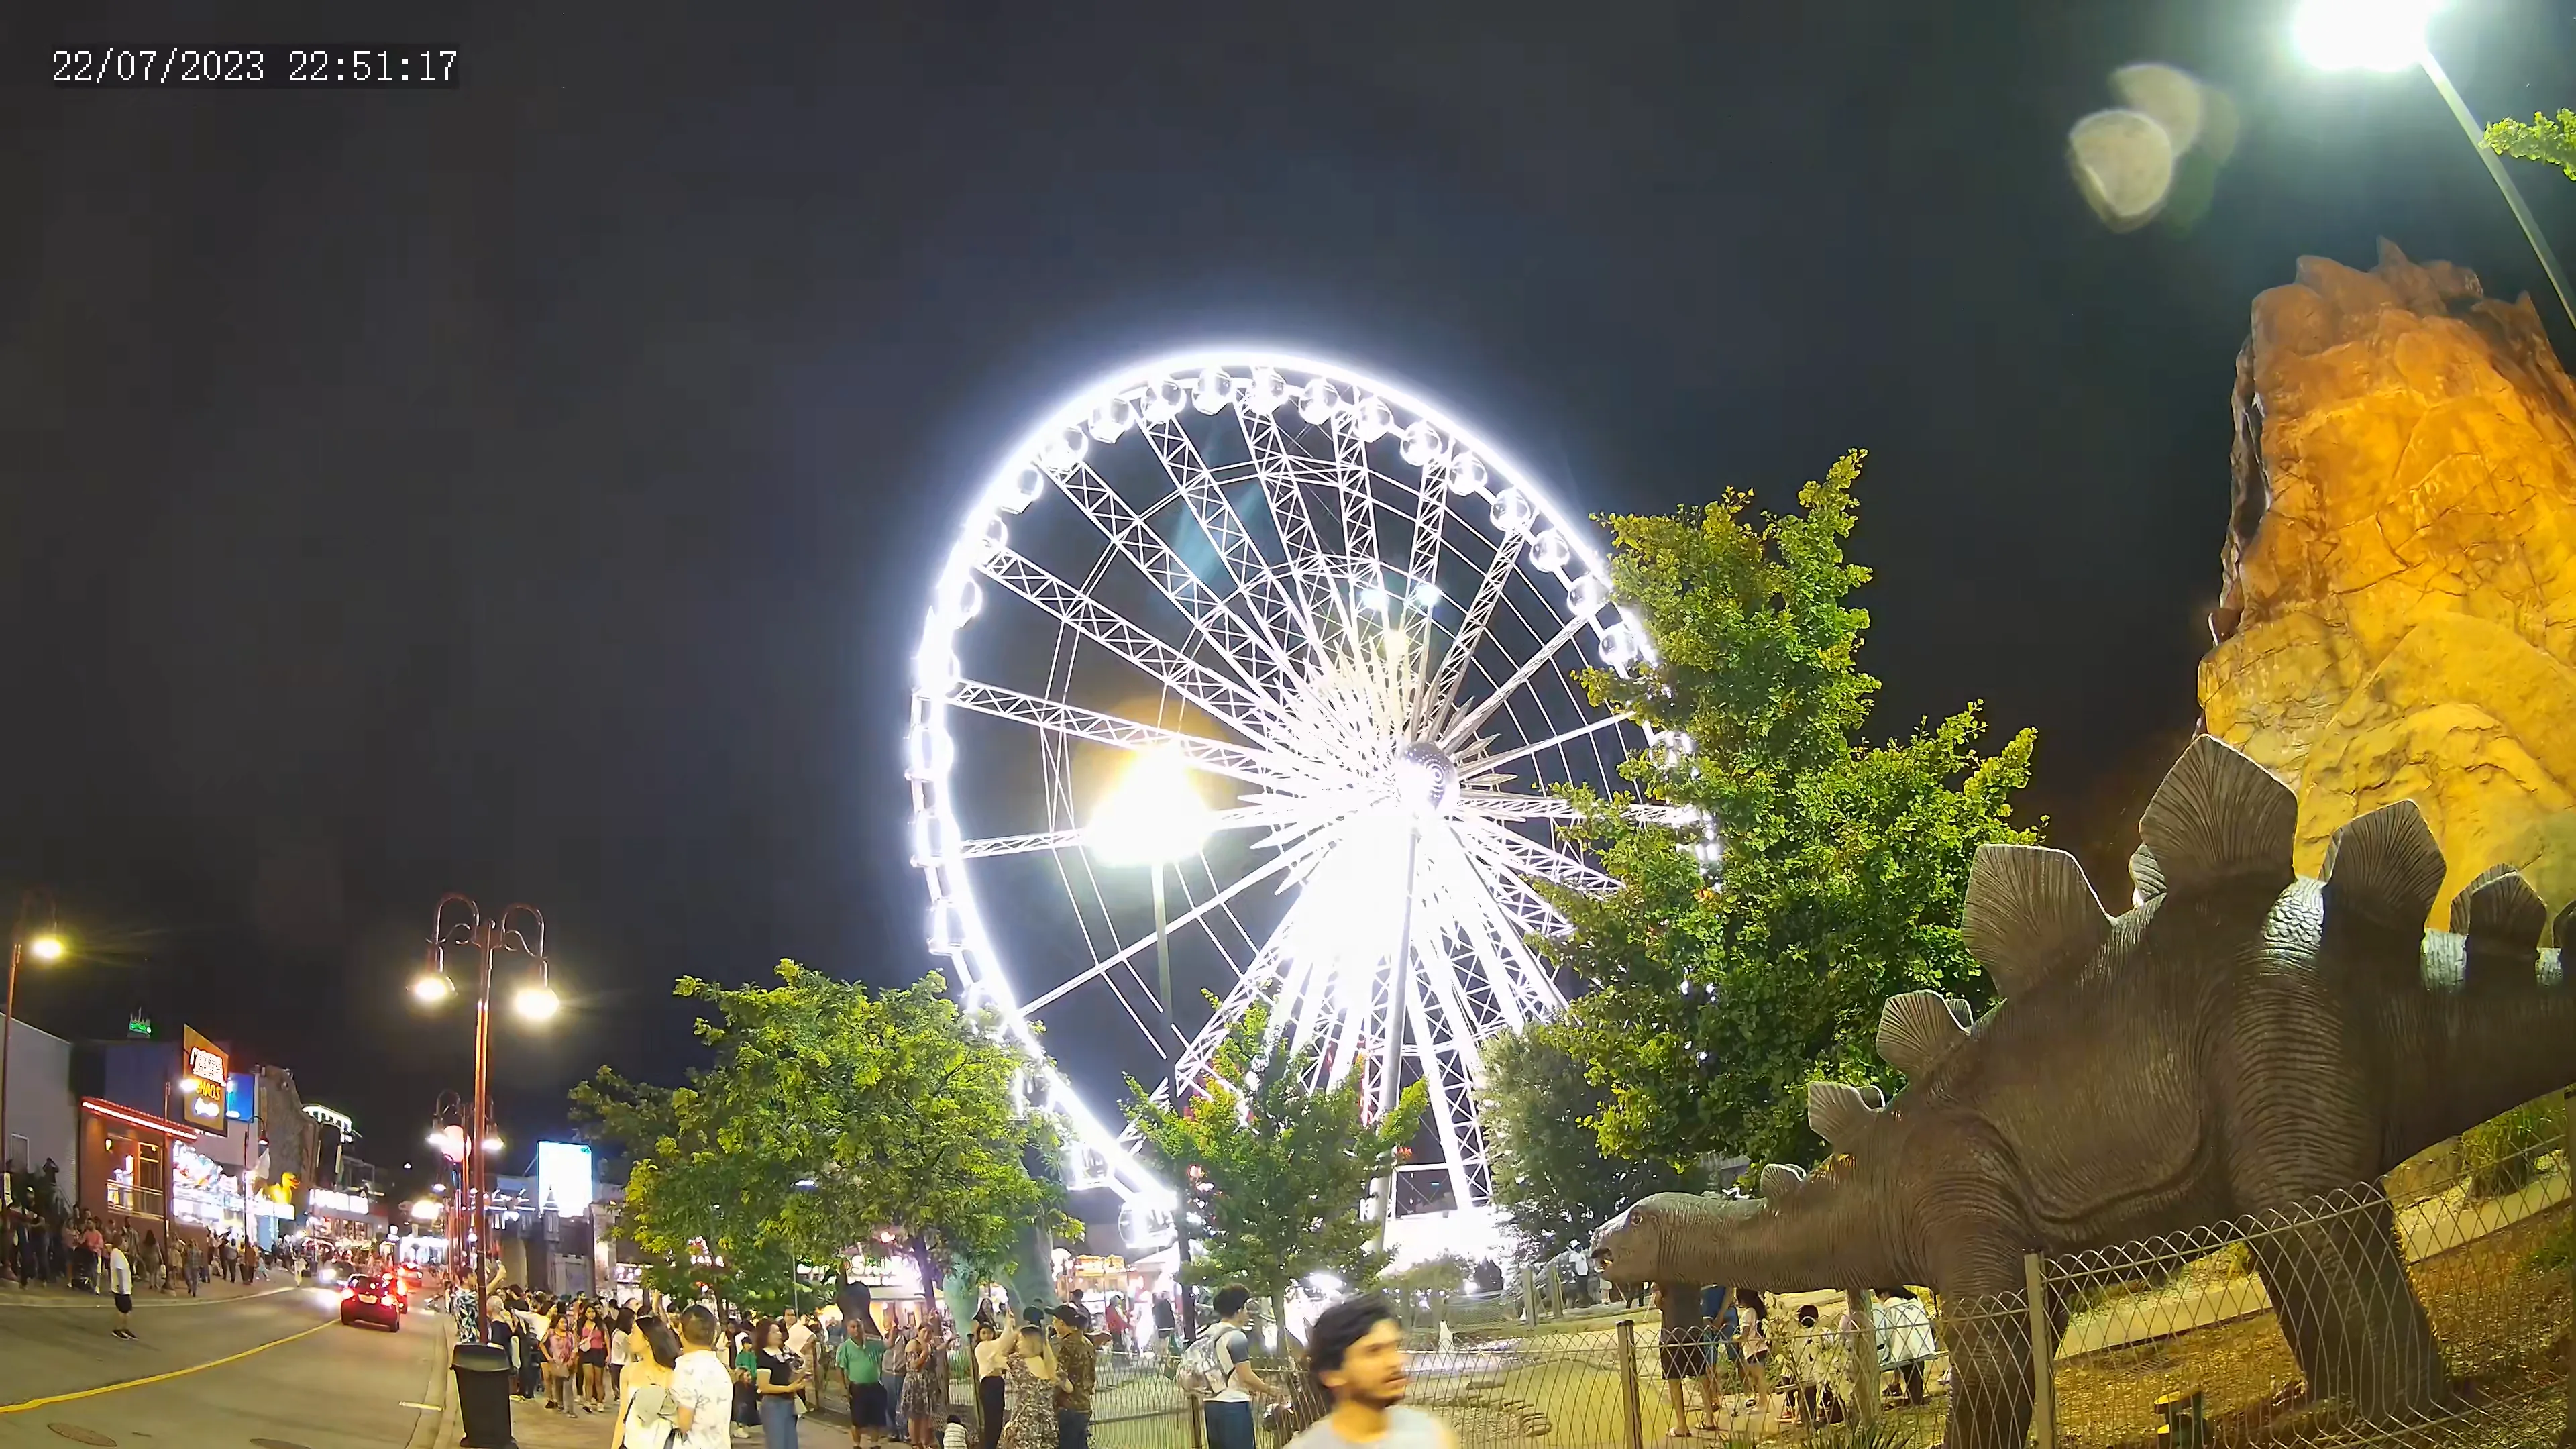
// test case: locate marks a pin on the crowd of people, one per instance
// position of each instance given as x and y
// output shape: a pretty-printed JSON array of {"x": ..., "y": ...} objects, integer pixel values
[
  {"x": 1724, "y": 1335},
  {"x": 684, "y": 1377}
]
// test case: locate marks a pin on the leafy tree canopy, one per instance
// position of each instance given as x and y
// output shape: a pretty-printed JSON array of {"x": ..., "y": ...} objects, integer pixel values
[
  {"x": 1552, "y": 1182},
  {"x": 834, "y": 1118},
  {"x": 2544, "y": 140},
  {"x": 1714, "y": 1002},
  {"x": 1287, "y": 1163}
]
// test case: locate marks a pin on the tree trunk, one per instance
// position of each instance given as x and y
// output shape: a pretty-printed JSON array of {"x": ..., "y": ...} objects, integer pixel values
[{"x": 1279, "y": 1315}]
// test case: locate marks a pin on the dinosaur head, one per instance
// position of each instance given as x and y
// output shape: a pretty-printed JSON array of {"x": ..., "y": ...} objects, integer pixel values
[{"x": 1646, "y": 1243}]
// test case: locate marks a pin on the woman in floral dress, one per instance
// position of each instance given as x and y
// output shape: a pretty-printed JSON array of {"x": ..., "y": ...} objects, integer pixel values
[
  {"x": 925, "y": 1382},
  {"x": 1029, "y": 1374}
]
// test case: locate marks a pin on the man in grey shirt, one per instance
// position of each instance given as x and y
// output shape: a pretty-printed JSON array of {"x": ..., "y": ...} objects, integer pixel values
[{"x": 1355, "y": 1354}]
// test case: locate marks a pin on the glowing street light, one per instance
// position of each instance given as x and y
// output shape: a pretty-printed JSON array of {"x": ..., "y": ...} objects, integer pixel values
[
  {"x": 538, "y": 1002},
  {"x": 535, "y": 1001},
  {"x": 47, "y": 947},
  {"x": 1154, "y": 816},
  {"x": 2388, "y": 35}
]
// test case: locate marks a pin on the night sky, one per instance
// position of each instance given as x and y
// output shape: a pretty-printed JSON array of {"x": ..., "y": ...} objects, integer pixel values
[{"x": 531, "y": 489}]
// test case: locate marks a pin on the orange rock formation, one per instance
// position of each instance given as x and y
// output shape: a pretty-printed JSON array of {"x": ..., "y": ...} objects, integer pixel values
[{"x": 2399, "y": 615}]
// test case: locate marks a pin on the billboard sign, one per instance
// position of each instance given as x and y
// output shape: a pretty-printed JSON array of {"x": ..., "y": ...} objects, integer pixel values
[
  {"x": 202, "y": 1077},
  {"x": 563, "y": 1177}
]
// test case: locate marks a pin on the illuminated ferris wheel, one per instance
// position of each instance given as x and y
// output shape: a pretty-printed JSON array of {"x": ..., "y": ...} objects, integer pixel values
[{"x": 1306, "y": 648}]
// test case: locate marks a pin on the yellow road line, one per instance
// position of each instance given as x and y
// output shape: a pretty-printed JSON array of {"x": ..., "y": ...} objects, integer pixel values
[{"x": 156, "y": 1378}]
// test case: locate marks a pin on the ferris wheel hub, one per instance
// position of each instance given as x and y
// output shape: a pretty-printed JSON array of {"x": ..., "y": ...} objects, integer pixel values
[{"x": 1426, "y": 779}]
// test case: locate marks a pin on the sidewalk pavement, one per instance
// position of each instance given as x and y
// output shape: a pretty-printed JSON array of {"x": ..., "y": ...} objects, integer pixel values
[{"x": 50, "y": 1295}]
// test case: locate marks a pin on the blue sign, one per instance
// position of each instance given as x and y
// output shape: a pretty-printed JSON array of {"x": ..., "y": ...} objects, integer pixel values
[{"x": 241, "y": 1097}]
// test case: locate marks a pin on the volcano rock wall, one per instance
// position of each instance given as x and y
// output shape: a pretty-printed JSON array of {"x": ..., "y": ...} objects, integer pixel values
[{"x": 2399, "y": 612}]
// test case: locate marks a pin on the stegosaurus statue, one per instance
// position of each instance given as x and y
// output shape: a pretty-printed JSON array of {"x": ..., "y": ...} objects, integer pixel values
[{"x": 2241, "y": 1041}]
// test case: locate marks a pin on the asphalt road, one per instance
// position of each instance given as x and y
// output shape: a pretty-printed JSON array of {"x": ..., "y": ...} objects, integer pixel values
[{"x": 321, "y": 1386}]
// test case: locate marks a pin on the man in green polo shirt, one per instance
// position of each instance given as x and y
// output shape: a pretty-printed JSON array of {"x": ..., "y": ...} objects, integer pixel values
[{"x": 862, "y": 1362}]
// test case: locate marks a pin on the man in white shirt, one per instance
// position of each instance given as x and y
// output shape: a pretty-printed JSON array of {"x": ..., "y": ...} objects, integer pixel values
[
  {"x": 1229, "y": 1410},
  {"x": 120, "y": 1281},
  {"x": 701, "y": 1385}
]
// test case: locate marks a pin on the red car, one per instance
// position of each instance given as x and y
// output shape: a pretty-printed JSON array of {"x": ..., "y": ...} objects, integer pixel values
[{"x": 373, "y": 1299}]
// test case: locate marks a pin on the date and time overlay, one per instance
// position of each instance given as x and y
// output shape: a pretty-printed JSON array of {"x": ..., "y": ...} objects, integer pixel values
[{"x": 260, "y": 67}]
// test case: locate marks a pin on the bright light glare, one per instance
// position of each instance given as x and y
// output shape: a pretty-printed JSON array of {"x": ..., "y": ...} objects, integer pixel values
[
  {"x": 432, "y": 988},
  {"x": 48, "y": 947},
  {"x": 537, "y": 1003},
  {"x": 492, "y": 1144},
  {"x": 424, "y": 1210},
  {"x": 2362, "y": 34},
  {"x": 1154, "y": 814}
]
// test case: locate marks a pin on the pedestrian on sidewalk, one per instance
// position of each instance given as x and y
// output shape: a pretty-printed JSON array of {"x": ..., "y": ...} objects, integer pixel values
[
  {"x": 120, "y": 1282},
  {"x": 1355, "y": 1358},
  {"x": 561, "y": 1358},
  {"x": 778, "y": 1380},
  {"x": 898, "y": 1356},
  {"x": 1077, "y": 1366},
  {"x": 925, "y": 1379},
  {"x": 653, "y": 1350},
  {"x": 621, "y": 1335},
  {"x": 861, "y": 1361},
  {"x": 701, "y": 1387},
  {"x": 594, "y": 1357},
  {"x": 1029, "y": 1367},
  {"x": 991, "y": 1357},
  {"x": 1226, "y": 1353}
]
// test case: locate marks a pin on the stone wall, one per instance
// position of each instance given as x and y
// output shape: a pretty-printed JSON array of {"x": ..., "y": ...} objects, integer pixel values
[{"x": 2399, "y": 610}]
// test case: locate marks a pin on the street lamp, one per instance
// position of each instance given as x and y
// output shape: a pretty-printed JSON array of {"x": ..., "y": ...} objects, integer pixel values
[
  {"x": 1152, "y": 817},
  {"x": 46, "y": 945},
  {"x": 2388, "y": 35},
  {"x": 466, "y": 927}
]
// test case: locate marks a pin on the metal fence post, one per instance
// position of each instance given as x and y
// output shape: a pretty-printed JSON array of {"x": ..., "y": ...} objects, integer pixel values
[
  {"x": 1632, "y": 1422},
  {"x": 2567, "y": 1170},
  {"x": 2043, "y": 1354},
  {"x": 1861, "y": 1306}
]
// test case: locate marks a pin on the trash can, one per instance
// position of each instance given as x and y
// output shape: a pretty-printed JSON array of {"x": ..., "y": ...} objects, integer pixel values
[{"x": 483, "y": 1395}]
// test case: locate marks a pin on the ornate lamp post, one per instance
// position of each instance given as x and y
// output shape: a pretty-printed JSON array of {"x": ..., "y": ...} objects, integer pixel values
[{"x": 465, "y": 926}]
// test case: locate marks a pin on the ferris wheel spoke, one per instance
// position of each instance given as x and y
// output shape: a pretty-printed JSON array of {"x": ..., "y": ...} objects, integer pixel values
[
  {"x": 1240, "y": 817},
  {"x": 1251, "y": 651},
  {"x": 1442, "y": 1081},
  {"x": 1359, "y": 498},
  {"x": 1235, "y": 705},
  {"x": 1267, "y": 869},
  {"x": 1465, "y": 727},
  {"x": 1502, "y": 805},
  {"x": 1530, "y": 857},
  {"x": 1273, "y": 609},
  {"x": 1284, "y": 492},
  {"x": 1474, "y": 768},
  {"x": 1075, "y": 722},
  {"x": 1439, "y": 690}
]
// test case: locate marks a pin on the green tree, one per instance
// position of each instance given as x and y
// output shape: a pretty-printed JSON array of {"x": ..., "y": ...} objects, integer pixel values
[
  {"x": 1715, "y": 1001},
  {"x": 833, "y": 1117},
  {"x": 1286, "y": 1163},
  {"x": 1552, "y": 1182},
  {"x": 2550, "y": 142}
]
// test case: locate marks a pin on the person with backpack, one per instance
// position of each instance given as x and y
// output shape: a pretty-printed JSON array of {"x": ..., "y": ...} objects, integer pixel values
[{"x": 1217, "y": 1371}]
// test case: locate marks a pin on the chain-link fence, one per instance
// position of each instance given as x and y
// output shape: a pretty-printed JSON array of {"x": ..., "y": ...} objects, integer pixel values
[
  {"x": 2441, "y": 1314},
  {"x": 2435, "y": 1308}
]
